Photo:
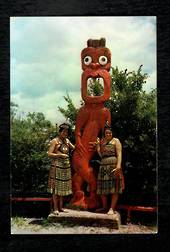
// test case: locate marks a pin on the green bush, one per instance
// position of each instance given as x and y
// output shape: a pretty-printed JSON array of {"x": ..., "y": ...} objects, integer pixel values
[{"x": 30, "y": 164}]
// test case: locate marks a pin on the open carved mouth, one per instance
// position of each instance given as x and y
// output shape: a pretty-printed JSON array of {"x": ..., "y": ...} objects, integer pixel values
[{"x": 95, "y": 86}]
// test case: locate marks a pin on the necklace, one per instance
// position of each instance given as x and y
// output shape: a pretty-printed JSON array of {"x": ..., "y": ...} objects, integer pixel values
[{"x": 64, "y": 147}]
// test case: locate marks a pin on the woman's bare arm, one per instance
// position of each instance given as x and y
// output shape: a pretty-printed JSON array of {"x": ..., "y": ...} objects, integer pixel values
[
  {"x": 118, "y": 168},
  {"x": 54, "y": 145},
  {"x": 118, "y": 153},
  {"x": 71, "y": 145}
]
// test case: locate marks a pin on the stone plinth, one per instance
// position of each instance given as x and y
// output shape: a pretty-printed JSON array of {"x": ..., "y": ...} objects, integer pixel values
[{"x": 87, "y": 218}]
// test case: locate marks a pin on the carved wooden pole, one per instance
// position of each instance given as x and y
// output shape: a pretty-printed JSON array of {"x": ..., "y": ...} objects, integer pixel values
[{"x": 91, "y": 118}]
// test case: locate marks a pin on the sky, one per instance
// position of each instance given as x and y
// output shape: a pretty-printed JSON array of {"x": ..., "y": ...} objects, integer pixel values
[{"x": 45, "y": 61}]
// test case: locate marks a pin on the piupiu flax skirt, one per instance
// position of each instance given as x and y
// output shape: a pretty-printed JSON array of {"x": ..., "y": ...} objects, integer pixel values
[
  {"x": 60, "y": 181},
  {"x": 107, "y": 183}
]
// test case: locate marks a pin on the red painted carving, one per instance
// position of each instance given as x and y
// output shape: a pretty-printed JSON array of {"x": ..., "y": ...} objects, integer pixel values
[{"x": 91, "y": 118}]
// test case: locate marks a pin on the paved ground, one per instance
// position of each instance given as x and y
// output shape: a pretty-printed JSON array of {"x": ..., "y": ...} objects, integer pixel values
[{"x": 21, "y": 225}]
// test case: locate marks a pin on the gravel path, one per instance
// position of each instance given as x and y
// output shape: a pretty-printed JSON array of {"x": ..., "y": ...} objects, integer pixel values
[{"x": 43, "y": 226}]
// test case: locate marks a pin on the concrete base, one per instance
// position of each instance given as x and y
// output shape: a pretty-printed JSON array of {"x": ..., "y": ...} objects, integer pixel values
[{"x": 87, "y": 218}]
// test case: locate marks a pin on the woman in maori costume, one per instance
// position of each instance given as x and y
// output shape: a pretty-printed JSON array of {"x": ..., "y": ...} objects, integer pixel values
[
  {"x": 110, "y": 176},
  {"x": 60, "y": 180}
]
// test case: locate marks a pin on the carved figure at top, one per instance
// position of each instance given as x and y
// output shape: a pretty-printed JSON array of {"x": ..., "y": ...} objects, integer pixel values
[{"x": 91, "y": 119}]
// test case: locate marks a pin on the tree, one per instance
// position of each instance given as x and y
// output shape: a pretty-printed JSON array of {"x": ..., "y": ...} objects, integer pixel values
[
  {"x": 95, "y": 88},
  {"x": 71, "y": 111},
  {"x": 134, "y": 123},
  {"x": 30, "y": 137}
]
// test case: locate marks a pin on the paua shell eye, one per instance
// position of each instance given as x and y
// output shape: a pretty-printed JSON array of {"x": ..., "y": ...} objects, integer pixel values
[
  {"x": 87, "y": 60},
  {"x": 103, "y": 60}
]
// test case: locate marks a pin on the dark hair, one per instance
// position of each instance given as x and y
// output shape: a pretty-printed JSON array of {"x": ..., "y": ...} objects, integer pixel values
[
  {"x": 107, "y": 126},
  {"x": 64, "y": 126}
]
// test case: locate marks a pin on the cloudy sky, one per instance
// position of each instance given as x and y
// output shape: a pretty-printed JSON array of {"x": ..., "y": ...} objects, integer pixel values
[{"x": 45, "y": 56}]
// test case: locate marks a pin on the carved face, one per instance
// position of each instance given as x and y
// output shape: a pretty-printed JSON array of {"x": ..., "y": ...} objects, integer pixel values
[{"x": 96, "y": 65}]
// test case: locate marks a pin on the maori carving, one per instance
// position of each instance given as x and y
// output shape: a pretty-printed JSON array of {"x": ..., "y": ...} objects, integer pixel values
[{"x": 91, "y": 118}]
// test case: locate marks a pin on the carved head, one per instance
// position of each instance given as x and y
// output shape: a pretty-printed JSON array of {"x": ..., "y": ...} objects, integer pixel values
[{"x": 96, "y": 62}]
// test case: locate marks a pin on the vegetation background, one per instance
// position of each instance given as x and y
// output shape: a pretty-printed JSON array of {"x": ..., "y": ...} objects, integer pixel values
[{"x": 134, "y": 120}]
